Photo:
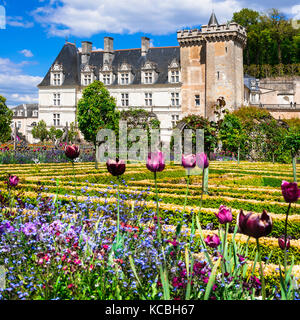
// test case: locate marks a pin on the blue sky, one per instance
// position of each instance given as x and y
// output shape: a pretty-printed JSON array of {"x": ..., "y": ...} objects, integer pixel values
[{"x": 35, "y": 30}]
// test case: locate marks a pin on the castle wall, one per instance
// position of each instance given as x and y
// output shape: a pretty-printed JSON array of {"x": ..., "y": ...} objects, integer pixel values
[{"x": 192, "y": 59}]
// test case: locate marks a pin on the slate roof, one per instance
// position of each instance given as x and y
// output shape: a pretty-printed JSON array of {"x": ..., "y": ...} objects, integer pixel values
[
  {"x": 30, "y": 108},
  {"x": 70, "y": 58},
  {"x": 247, "y": 82}
]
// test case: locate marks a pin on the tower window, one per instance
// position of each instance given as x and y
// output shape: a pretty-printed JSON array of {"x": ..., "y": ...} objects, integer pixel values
[
  {"x": 197, "y": 99},
  {"x": 218, "y": 75}
]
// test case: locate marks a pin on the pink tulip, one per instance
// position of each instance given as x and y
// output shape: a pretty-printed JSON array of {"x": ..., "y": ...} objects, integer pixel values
[
  {"x": 202, "y": 160},
  {"x": 290, "y": 191},
  {"x": 224, "y": 215},
  {"x": 155, "y": 161},
  {"x": 188, "y": 161}
]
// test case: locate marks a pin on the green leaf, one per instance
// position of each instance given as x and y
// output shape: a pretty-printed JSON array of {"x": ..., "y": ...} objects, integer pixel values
[{"x": 211, "y": 280}]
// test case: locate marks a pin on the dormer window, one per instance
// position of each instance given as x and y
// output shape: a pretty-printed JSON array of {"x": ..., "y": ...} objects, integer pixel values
[
  {"x": 125, "y": 75},
  {"x": 174, "y": 72},
  {"x": 175, "y": 76},
  {"x": 148, "y": 77},
  {"x": 57, "y": 79},
  {"x": 124, "y": 78},
  {"x": 56, "y": 75},
  {"x": 149, "y": 73},
  {"x": 106, "y": 74},
  {"x": 87, "y": 75},
  {"x": 87, "y": 79}
]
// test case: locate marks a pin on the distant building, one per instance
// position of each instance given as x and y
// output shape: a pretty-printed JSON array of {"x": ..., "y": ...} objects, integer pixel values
[
  {"x": 25, "y": 117},
  {"x": 170, "y": 81},
  {"x": 280, "y": 96}
]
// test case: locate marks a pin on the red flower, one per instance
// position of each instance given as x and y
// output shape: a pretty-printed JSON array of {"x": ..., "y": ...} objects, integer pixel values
[
  {"x": 116, "y": 167},
  {"x": 255, "y": 225},
  {"x": 72, "y": 151}
]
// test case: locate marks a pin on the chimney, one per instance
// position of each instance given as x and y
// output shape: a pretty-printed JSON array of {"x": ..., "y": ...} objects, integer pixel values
[
  {"x": 108, "y": 52},
  {"x": 145, "y": 45},
  {"x": 86, "y": 51}
]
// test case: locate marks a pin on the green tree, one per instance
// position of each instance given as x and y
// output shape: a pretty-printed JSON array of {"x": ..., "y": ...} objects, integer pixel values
[
  {"x": 54, "y": 133},
  {"x": 96, "y": 110},
  {"x": 73, "y": 132},
  {"x": 6, "y": 116},
  {"x": 231, "y": 134},
  {"x": 40, "y": 131}
]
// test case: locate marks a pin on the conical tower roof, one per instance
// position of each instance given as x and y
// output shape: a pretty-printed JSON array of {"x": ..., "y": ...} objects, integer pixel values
[{"x": 213, "y": 20}]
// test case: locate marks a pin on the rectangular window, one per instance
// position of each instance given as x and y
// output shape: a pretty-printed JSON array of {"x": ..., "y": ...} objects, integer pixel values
[
  {"x": 56, "y": 99},
  {"x": 56, "y": 119},
  {"x": 106, "y": 78},
  {"x": 197, "y": 99},
  {"x": 148, "y": 77},
  {"x": 175, "y": 119},
  {"x": 19, "y": 125},
  {"x": 125, "y": 99},
  {"x": 56, "y": 79},
  {"x": 174, "y": 76},
  {"x": 87, "y": 79},
  {"x": 148, "y": 99},
  {"x": 124, "y": 78},
  {"x": 175, "y": 98}
]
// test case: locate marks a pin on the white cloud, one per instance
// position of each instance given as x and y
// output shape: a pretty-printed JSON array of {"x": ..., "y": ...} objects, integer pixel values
[
  {"x": 18, "y": 22},
  {"x": 89, "y": 17},
  {"x": 27, "y": 53},
  {"x": 16, "y": 86}
]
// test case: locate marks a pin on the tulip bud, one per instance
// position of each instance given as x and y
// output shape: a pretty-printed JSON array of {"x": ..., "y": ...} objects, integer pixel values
[
  {"x": 281, "y": 243},
  {"x": 212, "y": 241},
  {"x": 202, "y": 160},
  {"x": 255, "y": 225},
  {"x": 224, "y": 215},
  {"x": 188, "y": 161},
  {"x": 13, "y": 181},
  {"x": 72, "y": 151},
  {"x": 116, "y": 167},
  {"x": 290, "y": 191},
  {"x": 155, "y": 161}
]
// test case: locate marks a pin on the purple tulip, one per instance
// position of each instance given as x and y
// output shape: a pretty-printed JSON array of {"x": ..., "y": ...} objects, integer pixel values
[
  {"x": 72, "y": 151},
  {"x": 281, "y": 243},
  {"x": 224, "y": 215},
  {"x": 116, "y": 167},
  {"x": 255, "y": 225},
  {"x": 188, "y": 161},
  {"x": 202, "y": 160},
  {"x": 155, "y": 161},
  {"x": 13, "y": 181},
  {"x": 212, "y": 241},
  {"x": 290, "y": 191}
]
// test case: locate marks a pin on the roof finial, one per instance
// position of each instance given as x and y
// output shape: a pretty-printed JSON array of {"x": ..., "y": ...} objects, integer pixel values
[{"x": 213, "y": 19}]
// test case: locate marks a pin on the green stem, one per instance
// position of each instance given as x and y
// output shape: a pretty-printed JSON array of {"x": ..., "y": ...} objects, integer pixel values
[
  {"x": 118, "y": 212},
  {"x": 202, "y": 191},
  {"x": 186, "y": 193},
  {"x": 263, "y": 287},
  {"x": 157, "y": 209},
  {"x": 285, "y": 237},
  {"x": 75, "y": 182}
]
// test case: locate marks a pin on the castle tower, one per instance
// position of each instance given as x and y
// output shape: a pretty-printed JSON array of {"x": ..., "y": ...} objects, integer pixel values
[{"x": 212, "y": 66}]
